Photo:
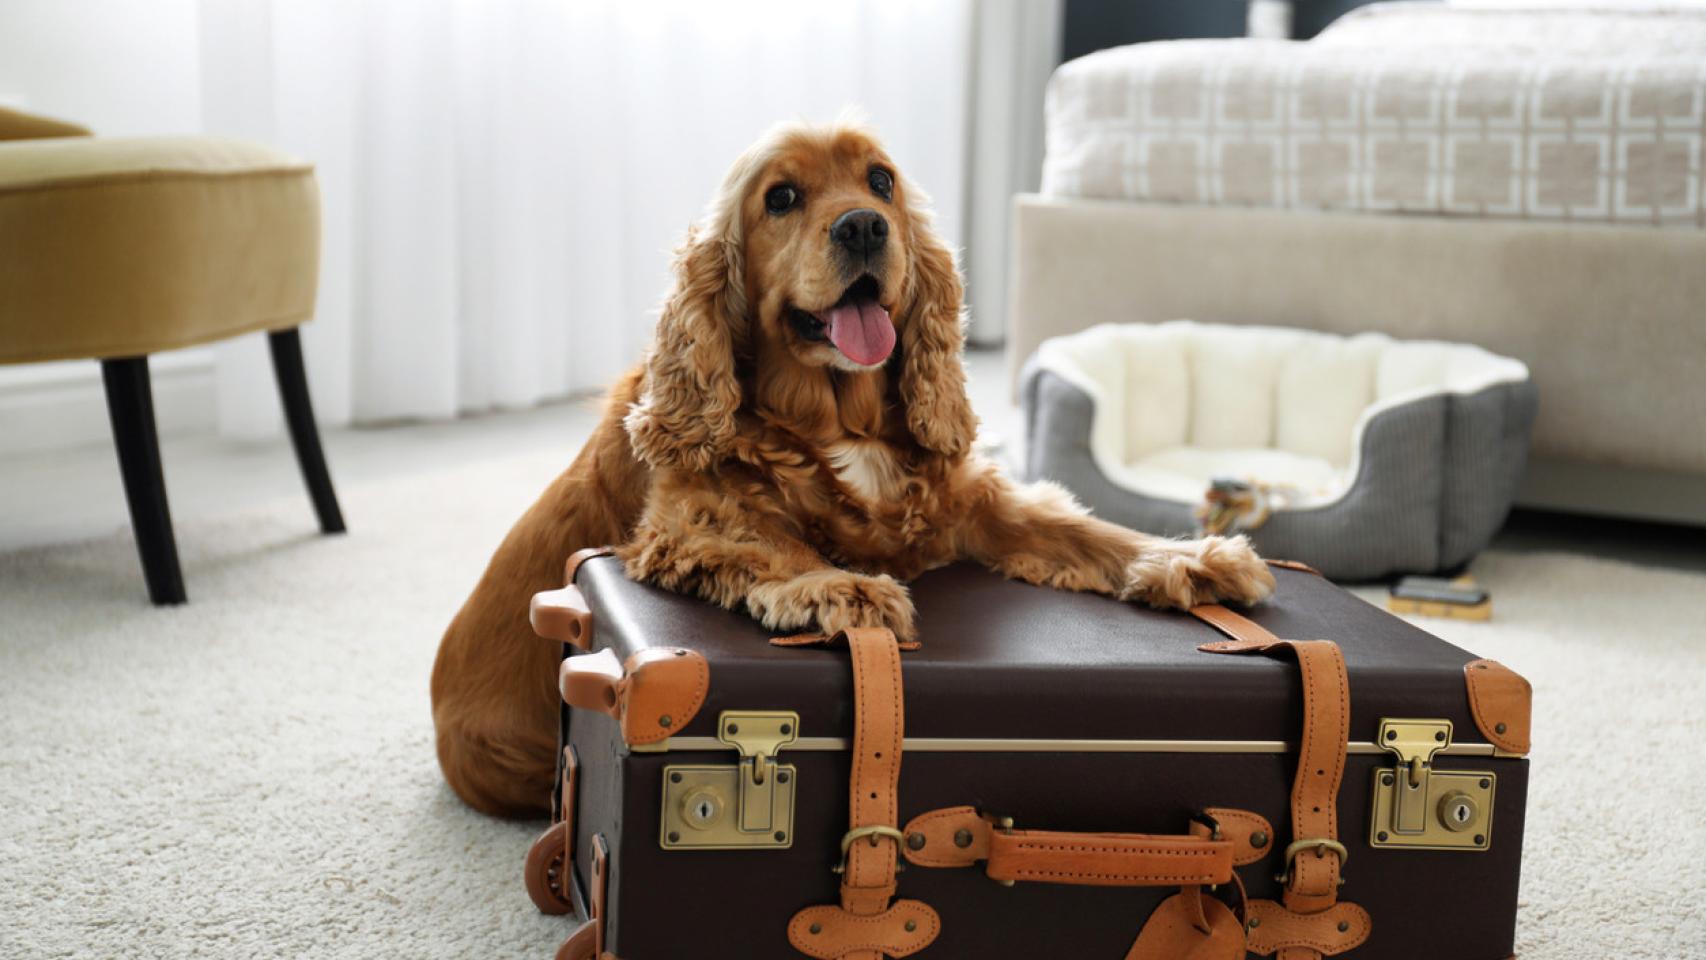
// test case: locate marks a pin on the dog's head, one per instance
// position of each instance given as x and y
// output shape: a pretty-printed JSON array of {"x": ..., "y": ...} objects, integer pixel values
[{"x": 818, "y": 254}]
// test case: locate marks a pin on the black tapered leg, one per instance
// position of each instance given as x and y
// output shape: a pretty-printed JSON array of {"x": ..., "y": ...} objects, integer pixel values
[
  {"x": 304, "y": 435},
  {"x": 130, "y": 406}
]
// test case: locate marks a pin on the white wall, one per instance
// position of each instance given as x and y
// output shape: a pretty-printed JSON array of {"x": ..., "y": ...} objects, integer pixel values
[{"x": 120, "y": 66}]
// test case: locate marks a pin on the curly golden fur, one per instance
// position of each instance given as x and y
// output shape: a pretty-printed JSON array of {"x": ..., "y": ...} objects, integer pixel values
[{"x": 754, "y": 462}]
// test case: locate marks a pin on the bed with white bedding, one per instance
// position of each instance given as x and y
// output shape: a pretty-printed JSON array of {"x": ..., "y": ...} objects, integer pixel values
[
  {"x": 1592, "y": 115},
  {"x": 1526, "y": 178}
]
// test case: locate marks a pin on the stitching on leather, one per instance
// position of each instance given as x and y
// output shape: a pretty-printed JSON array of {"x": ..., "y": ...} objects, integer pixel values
[
  {"x": 1046, "y": 846},
  {"x": 1160, "y": 878}
]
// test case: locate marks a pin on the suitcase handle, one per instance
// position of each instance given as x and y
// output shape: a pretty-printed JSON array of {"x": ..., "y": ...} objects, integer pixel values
[{"x": 960, "y": 836}]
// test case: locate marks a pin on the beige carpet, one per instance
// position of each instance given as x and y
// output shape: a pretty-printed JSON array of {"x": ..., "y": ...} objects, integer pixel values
[{"x": 252, "y": 775}]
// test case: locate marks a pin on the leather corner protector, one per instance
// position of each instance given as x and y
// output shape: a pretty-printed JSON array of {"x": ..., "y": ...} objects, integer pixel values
[
  {"x": 663, "y": 690},
  {"x": 1243, "y": 829},
  {"x": 1501, "y": 701},
  {"x": 1335, "y": 930},
  {"x": 829, "y": 932},
  {"x": 938, "y": 836},
  {"x": 573, "y": 565}
]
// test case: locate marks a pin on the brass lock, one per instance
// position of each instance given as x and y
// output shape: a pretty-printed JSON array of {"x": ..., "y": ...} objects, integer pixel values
[
  {"x": 1458, "y": 811},
  {"x": 702, "y": 808},
  {"x": 1417, "y": 807},
  {"x": 745, "y": 805}
]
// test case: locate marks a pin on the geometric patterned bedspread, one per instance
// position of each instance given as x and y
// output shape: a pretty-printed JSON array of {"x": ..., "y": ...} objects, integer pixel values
[{"x": 1584, "y": 115}]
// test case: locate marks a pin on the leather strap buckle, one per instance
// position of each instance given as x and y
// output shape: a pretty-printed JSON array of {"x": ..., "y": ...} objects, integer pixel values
[
  {"x": 859, "y": 833},
  {"x": 1318, "y": 844}
]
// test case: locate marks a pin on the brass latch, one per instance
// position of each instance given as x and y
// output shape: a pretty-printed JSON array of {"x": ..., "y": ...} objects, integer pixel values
[
  {"x": 1418, "y": 807},
  {"x": 747, "y": 805}
]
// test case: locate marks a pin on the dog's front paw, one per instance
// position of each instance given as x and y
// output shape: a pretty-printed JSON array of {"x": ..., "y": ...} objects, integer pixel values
[
  {"x": 833, "y": 600},
  {"x": 1184, "y": 573}
]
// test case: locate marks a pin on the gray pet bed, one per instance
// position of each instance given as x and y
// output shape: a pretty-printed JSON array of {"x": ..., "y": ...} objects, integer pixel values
[{"x": 1369, "y": 456}]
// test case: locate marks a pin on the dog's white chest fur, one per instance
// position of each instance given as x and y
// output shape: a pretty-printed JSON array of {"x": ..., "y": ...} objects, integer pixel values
[{"x": 868, "y": 467}]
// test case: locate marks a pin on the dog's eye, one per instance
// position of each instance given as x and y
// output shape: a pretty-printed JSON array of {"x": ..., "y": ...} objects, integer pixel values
[
  {"x": 881, "y": 183},
  {"x": 781, "y": 199}
]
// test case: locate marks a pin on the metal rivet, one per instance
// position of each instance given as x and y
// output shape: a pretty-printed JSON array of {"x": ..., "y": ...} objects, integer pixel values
[
  {"x": 787, "y": 728},
  {"x": 1344, "y": 925},
  {"x": 962, "y": 838},
  {"x": 1386, "y": 779},
  {"x": 734, "y": 728},
  {"x": 1439, "y": 735},
  {"x": 674, "y": 837},
  {"x": 1258, "y": 839},
  {"x": 782, "y": 776},
  {"x": 1485, "y": 784},
  {"x": 1381, "y": 836},
  {"x": 1255, "y": 922},
  {"x": 915, "y": 841},
  {"x": 665, "y": 721},
  {"x": 911, "y": 925},
  {"x": 675, "y": 778},
  {"x": 781, "y": 837},
  {"x": 1498, "y": 728},
  {"x": 817, "y": 928},
  {"x": 1391, "y": 734},
  {"x": 1480, "y": 838}
]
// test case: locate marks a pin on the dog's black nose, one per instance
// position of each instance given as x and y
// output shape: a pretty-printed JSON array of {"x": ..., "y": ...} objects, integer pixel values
[{"x": 862, "y": 231}]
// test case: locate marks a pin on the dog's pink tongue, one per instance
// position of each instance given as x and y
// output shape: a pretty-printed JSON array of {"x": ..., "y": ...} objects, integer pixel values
[{"x": 861, "y": 331}]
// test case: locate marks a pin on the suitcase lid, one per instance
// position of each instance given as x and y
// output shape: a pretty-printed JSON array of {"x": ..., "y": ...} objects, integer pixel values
[{"x": 1008, "y": 661}]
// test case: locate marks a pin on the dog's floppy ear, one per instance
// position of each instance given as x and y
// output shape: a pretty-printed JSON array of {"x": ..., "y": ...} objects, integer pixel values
[
  {"x": 932, "y": 380},
  {"x": 685, "y": 416}
]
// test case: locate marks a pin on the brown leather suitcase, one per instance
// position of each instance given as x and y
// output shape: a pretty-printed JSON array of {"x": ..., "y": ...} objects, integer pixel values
[{"x": 1079, "y": 778}]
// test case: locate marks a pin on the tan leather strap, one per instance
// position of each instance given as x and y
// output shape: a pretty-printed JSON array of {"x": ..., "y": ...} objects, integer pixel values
[
  {"x": 959, "y": 837},
  {"x": 868, "y": 881},
  {"x": 823, "y": 639},
  {"x": 587, "y": 941},
  {"x": 1272, "y": 928},
  {"x": 867, "y": 925},
  {"x": 1251, "y": 836},
  {"x": 1313, "y": 869}
]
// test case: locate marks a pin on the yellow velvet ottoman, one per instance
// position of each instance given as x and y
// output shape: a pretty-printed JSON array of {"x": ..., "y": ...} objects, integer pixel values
[{"x": 115, "y": 248}]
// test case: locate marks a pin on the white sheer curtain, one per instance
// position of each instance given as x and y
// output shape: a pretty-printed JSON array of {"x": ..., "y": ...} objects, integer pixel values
[{"x": 502, "y": 180}]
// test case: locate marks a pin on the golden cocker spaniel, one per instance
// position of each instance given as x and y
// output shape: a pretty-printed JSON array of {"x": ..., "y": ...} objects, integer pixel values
[{"x": 797, "y": 444}]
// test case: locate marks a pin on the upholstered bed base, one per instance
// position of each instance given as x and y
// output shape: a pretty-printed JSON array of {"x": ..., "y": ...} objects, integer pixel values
[{"x": 1610, "y": 320}]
